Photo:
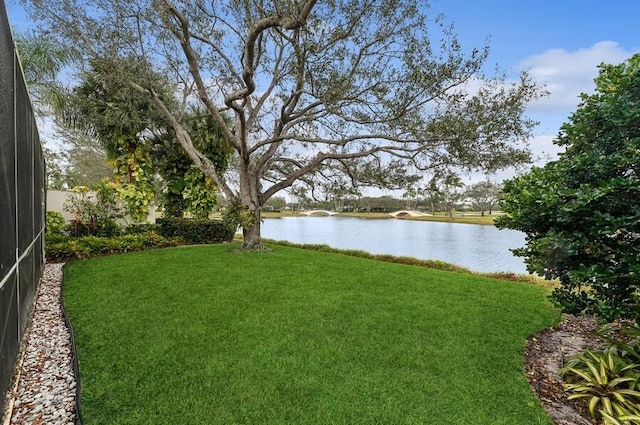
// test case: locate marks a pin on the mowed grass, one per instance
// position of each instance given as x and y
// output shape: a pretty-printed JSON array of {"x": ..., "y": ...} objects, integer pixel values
[{"x": 202, "y": 335}]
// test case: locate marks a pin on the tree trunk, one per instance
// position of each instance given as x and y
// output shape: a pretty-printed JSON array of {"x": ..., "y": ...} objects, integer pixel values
[
  {"x": 252, "y": 207},
  {"x": 251, "y": 238}
]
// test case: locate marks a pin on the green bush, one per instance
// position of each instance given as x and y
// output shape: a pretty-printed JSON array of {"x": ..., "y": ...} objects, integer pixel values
[
  {"x": 55, "y": 224},
  {"x": 94, "y": 215},
  {"x": 580, "y": 212},
  {"x": 56, "y": 238},
  {"x": 104, "y": 228},
  {"x": 139, "y": 228},
  {"x": 195, "y": 231},
  {"x": 64, "y": 249}
]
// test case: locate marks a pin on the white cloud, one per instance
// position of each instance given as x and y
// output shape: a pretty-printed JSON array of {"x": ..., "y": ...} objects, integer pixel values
[{"x": 566, "y": 74}]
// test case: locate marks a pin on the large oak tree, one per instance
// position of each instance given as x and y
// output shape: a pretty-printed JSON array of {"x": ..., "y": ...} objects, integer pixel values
[{"x": 312, "y": 87}]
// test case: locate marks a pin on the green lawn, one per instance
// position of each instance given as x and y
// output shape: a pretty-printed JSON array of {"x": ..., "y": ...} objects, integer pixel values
[{"x": 201, "y": 335}]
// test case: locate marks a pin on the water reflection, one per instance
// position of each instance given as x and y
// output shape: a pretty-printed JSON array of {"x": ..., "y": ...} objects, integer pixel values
[{"x": 477, "y": 247}]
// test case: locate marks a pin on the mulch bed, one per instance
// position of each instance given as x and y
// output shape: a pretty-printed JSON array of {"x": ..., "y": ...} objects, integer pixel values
[{"x": 546, "y": 353}]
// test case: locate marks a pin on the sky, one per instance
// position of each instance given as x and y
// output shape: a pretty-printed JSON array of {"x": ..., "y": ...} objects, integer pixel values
[{"x": 559, "y": 42}]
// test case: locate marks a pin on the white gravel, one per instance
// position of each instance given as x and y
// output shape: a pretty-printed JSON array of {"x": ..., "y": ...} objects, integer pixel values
[{"x": 46, "y": 387}]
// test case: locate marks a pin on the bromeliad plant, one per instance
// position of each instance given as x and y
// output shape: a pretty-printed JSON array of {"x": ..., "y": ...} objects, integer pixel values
[
  {"x": 622, "y": 420},
  {"x": 610, "y": 382}
]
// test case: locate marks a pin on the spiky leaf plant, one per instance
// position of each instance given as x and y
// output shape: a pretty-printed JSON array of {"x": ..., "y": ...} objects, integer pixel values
[{"x": 608, "y": 381}]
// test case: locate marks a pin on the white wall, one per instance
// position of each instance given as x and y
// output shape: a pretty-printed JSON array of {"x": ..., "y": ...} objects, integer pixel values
[{"x": 57, "y": 198}]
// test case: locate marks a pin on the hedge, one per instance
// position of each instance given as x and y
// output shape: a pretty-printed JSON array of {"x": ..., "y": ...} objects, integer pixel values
[{"x": 195, "y": 231}]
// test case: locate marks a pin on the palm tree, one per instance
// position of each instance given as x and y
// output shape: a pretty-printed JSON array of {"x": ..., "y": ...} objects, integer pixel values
[{"x": 42, "y": 61}]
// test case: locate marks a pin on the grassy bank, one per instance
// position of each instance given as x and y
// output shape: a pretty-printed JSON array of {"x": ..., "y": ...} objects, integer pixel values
[
  {"x": 467, "y": 217},
  {"x": 200, "y": 335}
]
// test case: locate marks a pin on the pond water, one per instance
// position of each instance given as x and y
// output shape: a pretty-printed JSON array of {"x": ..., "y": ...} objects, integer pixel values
[{"x": 476, "y": 247}]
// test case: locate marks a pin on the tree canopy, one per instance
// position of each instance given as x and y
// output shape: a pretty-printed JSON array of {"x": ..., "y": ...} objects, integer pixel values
[
  {"x": 185, "y": 187},
  {"x": 581, "y": 213},
  {"x": 123, "y": 121},
  {"x": 312, "y": 88},
  {"x": 484, "y": 195}
]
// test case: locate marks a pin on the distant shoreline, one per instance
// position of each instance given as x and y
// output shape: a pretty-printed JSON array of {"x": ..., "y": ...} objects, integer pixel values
[{"x": 465, "y": 218}]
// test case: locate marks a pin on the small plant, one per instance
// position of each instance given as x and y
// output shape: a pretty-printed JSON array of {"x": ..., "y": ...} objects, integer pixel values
[
  {"x": 238, "y": 215},
  {"x": 55, "y": 224},
  {"x": 94, "y": 214},
  {"x": 608, "y": 380}
]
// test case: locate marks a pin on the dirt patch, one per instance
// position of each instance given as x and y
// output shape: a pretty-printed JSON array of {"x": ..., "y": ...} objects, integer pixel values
[{"x": 546, "y": 353}]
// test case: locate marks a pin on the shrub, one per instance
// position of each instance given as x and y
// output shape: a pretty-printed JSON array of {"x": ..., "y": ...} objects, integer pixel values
[
  {"x": 64, "y": 249},
  {"x": 580, "y": 212},
  {"x": 199, "y": 194},
  {"x": 140, "y": 228},
  {"x": 94, "y": 215},
  {"x": 55, "y": 224},
  {"x": 195, "y": 231},
  {"x": 103, "y": 228}
]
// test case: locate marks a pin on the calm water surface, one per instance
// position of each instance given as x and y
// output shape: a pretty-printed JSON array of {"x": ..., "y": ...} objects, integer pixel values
[{"x": 476, "y": 247}]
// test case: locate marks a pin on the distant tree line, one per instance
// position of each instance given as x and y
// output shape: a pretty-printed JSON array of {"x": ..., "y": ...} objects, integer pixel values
[{"x": 439, "y": 195}]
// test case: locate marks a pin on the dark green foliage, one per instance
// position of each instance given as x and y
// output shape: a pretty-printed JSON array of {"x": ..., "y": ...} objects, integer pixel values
[
  {"x": 56, "y": 238},
  {"x": 105, "y": 105},
  {"x": 581, "y": 213},
  {"x": 140, "y": 228},
  {"x": 67, "y": 248},
  {"x": 186, "y": 189},
  {"x": 103, "y": 228},
  {"x": 195, "y": 231}
]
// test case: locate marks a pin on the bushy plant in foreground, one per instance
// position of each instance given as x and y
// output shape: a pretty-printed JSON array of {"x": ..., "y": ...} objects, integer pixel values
[
  {"x": 609, "y": 380},
  {"x": 67, "y": 248},
  {"x": 581, "y": 213}
]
